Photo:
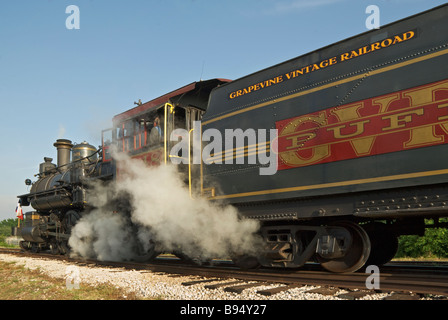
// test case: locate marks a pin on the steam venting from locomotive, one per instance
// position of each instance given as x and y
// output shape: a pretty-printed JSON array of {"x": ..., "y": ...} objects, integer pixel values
[{"x": 158, "y": 208}]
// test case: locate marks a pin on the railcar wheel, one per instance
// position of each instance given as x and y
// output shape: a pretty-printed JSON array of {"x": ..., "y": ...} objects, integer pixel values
[
  {"x": 356, "y": 254},
  {"x": 383, "y": 242},
  {"x": 246, "y": 262}
]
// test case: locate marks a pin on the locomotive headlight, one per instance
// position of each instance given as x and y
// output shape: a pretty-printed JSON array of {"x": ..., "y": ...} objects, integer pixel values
[{"x": 28, "y": 182}]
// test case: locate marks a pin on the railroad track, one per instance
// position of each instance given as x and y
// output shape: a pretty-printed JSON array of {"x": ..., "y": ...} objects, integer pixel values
[
  {"x": 428, "y": 280},
  {"x": 419, "y": 283}
]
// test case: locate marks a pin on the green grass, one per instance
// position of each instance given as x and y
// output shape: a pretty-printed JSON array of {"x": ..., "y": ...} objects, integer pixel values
[{"x": 19, "y": 283}]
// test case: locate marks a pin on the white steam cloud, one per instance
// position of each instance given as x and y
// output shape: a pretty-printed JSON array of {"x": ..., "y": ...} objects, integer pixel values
[
  {"x": 158, "y": 209},
  {"x": 61, "y": 132}
]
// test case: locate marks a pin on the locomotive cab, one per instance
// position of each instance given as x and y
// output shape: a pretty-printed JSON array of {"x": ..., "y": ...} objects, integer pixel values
[{"x": 147, "y": 132}]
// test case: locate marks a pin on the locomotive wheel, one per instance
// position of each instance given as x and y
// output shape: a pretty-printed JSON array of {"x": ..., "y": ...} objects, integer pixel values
[
  {"x": 64, "y": 248},
  {"x": 70, "y": 220},
  {"x": 187, "y": 258},
  {"x": 35, "y": 248},
  {"x": 356, "y": 255},
  {"x": 192, "y": 259},
  {"x": 25, "y": 245},
  {"x": 54, "y": 247},
  {"x": 146, "y": 255}
]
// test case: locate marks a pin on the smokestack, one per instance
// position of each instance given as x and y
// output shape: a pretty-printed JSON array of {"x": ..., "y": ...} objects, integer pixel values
[{"x": 64, "y": 147}]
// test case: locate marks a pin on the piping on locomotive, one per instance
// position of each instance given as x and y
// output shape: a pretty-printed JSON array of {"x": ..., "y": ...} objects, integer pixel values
[{"x": 361, "y": 147}]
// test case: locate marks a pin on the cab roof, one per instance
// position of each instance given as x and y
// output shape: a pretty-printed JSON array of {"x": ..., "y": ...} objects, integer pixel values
[{"x": 169, "y": 97}]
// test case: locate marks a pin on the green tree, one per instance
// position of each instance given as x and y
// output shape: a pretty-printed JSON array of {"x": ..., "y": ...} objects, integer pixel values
[
  {"x": 5, "y": 229},
  {"x": 434, "y": 244}
]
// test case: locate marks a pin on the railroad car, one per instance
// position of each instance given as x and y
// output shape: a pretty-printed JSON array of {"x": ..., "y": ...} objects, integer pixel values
[
  {"x": 336, "y": 152},
  {"x": 361, "y": 145}
]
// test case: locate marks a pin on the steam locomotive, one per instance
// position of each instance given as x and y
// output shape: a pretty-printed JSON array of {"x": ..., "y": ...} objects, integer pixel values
[
  {"x": 360, "y": 149},
  {"x": 59, "y": 196}
]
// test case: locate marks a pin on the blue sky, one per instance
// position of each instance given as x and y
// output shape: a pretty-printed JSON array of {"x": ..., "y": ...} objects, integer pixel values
[{"x": 61, "y": 83}]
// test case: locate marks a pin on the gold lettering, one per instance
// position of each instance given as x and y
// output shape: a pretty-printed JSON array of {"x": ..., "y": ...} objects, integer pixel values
[
  {"x": 375, "y": 46},
  {"x": 365, "y": 50},
  {"x": 397, "y": 39},
  {"x": 359, "y": 130},
  {"x": 408, "y": 35},
  {"x": 399, "y": 120},
  {"x": 422, "y": 96},
  {"x": 294, "y": 125},
  {"x": 363, "y": 146},
  {"x": 299, "y": 140},
  {"x": 354, "y": 54},
  {"x": 348, "y": 112},
  {"x": 333, "y": 61},
  {"x": 292, "y": 157},
  {"x": 385, "y": 43},
  {"x": 323, "y": 64},
  {"x": 443, "y": 117},
  {"x": 422, "y": 136},
  {"x": 385, "y": 102},
  {"x": 344, "y": 56},
  {"x": 425, "y": 95}
]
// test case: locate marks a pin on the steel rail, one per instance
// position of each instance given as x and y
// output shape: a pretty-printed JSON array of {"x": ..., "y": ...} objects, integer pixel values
[{"x": 400, "y": 280}]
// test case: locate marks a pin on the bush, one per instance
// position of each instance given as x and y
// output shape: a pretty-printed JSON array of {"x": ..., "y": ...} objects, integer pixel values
[
  {"x": 434, "y": 244},
  {"x": 5, "y": 229}
]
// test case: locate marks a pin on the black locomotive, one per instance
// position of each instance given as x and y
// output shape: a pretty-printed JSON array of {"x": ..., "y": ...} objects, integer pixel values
[
  {"x": 59, "y": 195},
  {"x": 360, "y": 132}
]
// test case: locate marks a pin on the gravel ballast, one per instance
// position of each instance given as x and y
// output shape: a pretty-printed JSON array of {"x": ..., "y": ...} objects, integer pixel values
[{"x": 155, "y": 285}]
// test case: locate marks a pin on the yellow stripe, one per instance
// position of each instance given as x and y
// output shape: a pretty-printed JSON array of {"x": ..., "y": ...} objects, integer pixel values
[
  {"x": 241, "y": 151},
  {"x": 331, "y": 84},
  {"x": 337, "y": 184}
]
